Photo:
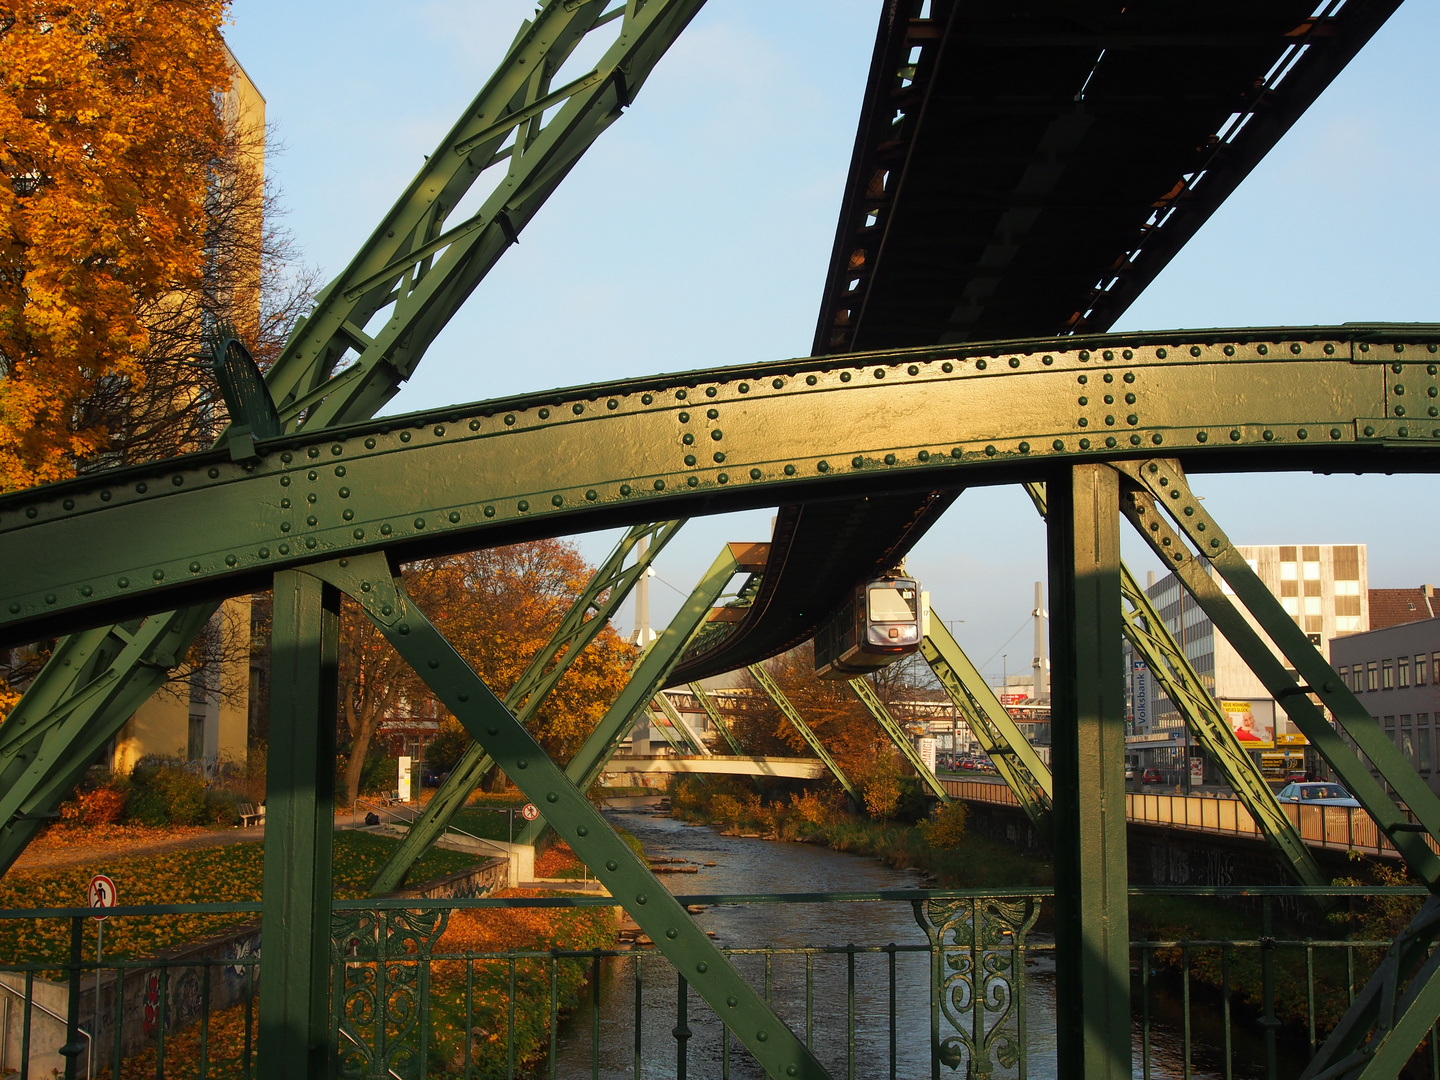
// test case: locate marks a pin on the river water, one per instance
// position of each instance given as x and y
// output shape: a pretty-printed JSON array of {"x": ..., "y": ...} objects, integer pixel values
[{"x": 752, "y": 865}]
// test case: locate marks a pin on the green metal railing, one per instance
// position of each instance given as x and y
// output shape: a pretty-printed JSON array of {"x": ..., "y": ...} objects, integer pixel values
[{"x": 976, "y": 980}]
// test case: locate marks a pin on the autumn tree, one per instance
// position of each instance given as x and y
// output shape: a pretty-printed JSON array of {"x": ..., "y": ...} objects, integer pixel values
[
  {"x": 108, "y": 127},
  {"x": 498, "y": 607}
]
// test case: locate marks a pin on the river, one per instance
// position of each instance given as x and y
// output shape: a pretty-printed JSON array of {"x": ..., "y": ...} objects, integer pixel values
[{"x": 752, "y": 865}]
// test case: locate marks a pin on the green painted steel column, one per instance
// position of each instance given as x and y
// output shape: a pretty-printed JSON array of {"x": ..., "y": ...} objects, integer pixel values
[
  {"x": 299, "y": 830},
  {"x": 1092, "y": 967},
  {"x": 871, "y": 700}
]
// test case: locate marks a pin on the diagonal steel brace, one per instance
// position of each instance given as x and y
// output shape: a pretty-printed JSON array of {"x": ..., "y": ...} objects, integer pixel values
[
  {"x": 783, "y": 703},
  {"x": 871, "y": 700},
  {"x": 588, "y": 615},
  {"x": 368, "y": 581}
]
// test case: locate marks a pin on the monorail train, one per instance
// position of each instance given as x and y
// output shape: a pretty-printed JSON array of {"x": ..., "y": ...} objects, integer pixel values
[{"x": 880, "y": 621}]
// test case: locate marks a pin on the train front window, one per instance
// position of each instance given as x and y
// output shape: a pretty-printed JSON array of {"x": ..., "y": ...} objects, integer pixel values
[{"x": 892, "y": 604}]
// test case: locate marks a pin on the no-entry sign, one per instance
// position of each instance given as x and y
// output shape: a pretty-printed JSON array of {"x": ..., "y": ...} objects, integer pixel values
[{"x": 101, "y": 894}]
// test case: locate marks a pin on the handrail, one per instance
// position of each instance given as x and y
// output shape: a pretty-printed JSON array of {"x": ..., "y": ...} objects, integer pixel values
[{"x": 54, "y": 1016}]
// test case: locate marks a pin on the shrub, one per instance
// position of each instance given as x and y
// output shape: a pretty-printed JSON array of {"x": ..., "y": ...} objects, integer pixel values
[
  {"x": 104, "y": 805},
  {"x": 946, "y": 829},
  {"x": 915, "y": 800},
  {"x": 163, "y": 791},
  {"x": 222, "y": 806}
]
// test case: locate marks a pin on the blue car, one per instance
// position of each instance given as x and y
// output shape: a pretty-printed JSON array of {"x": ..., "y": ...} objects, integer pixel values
[{"x": 1317, "y": 794}]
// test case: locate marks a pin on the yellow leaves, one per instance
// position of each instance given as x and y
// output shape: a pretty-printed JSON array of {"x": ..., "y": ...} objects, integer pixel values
[{"x": 107, "y": 124}]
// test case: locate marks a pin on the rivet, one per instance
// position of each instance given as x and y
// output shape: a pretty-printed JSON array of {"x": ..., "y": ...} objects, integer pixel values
[
  {"x": 723, "y": 478},
  {"x": 612, "y": 865},
  {"x": 713, "y": 414},
  {"x": 14, "y": 609},
  {"x": 1084, "y": 354},
  {"x": 591, "y": 495},
  {"x": 789, "y": 470},
  {"x": 1024, "y": 448},
  {"x": 439, "y": 429},
  {"x": 857, "y": 462},
  {"x": 980, "y": 365},
  {"x": 640, "y": 898},
  {"x": 913, "y": 369},
  {"x": 489, "y": 511},
  {"x": 557, "y": 500},
  {"x": 310, "y": 542},
  {"x": 1109, "y": 355},
  {"x": 1334, "y": 433},
  {"x": 687, "y": 438},
  {"x": 1234, "y": 434},
  {"x": 1083, "y": 400},
  {"x": 141, "y": 488},
  {"x": 312, "y": 474},
  {"x": 577, "y": 408},
  {"x": 1014, "y": 361},
  {"x": 580, "y": 830},
  {"x": 1215, "y": 542},
  {"x": 337, "y": 450},
  {"x": 744, "y": 388},
  {"x": 1134, "y": 440},
  {"x": 761, "y": 1036},
  {"x": 124, "y": 582},
  {"x": 625, "y": 489},
  {"x": 710, "y": 391},
  {"x": 823, "y": 466},
  {"x": 956, "y": 453},
  {"x": 889, "y": 459},
  {"x": 1110, "y": 441},
  {"x": 1157, "y": 438},
  {"x": 1302, "y": 433},
  {"x": 646, "y": 399},
  {"x": 69, "y": 504},
  {"x": 778, "y": 383},
  {"x": 1295, "y": 347},
  {"x": 680, "y": 395},
  {"x": 1399, "y": 387},
  {"x": 1262, "y": 349},
  {"x": 946, "y": 367},
  {"x": 1329, "y": 349},
  {"x": 659, "y": 485},
  {"x": 454, "y": 517},
  {"x": 1058, "y": 444},
  {"x": 1194, "y": 350},
  {"x": 702, "y": 967},
  {"x": 509, "y": 419},
  {"x": 811, "y": 380},
  {"x": 1084, "y": 444},
  {"x": 1084, "y": 422},
  {"x": 990, "y": 450},
  {"x": 230, "y": 560},
  {"x": 732, "y": 1001},
  {"x": 50, "y": 598},
  {"x": 405, "y": 435},
  {"x": 719, "y": 456},
  {"x": 523, "y": 505},
  {"x": 693, "y": 481},
  {"x": 105, "y": 495},
  {"x": 1129, "y": 399},
  {"x": 1369, "y": 429},
  {"x": 923, "y": 455},
  {"x": 339, "y": 470},
  {"x": 684, "y": 418},
  {"x": 344, "y": 493},
  {"x": 1160, "y": 354},
  {"x": 474, "y": 426},
  {"x": 1084, "y": 379},
  {"x": 754, "y": 474},
  {"x": 1201, "y": 436},
  {"x": 86, "y": 590},
  {"x": 1229, "y": 350},
  {"x": 1132, "y": 419}
]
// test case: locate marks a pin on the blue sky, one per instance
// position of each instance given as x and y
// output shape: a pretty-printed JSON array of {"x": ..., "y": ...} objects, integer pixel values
[{"x": 696, "y": 232}]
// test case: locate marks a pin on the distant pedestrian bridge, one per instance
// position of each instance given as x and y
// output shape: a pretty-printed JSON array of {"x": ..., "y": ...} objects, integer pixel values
[{"x": 794, "y": 768}]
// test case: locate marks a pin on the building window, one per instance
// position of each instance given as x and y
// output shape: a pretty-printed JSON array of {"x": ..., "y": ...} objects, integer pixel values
[
  {"x": 1390, "y": 728},
  {"x": 1291, "y": 604},
  {"x": 1372, "y": 676},
  {"x": 1387, "y": 675},
  {"x": 1422, "y": 739},
  {"x": 1420, "y": 669},
  {"x": 1407, "y": 737},
  {"x": 1404, "y": 665},
  {"x": 1289, "y": 571},
  {"x": 1344, "y": 675},
  {"x": 1311, "y": 571},
  {"x": 1347, "y": 588}
]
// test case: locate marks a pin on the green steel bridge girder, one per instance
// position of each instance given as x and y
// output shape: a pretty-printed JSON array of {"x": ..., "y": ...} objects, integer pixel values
[
  {"x": 716, "y": 720},
  {"x": 642, "y": 450},
  {"x": 1161, "y": 482},
  {"x": 1164, "y": 658},
  {"x": 871, "y": 700},
  {"x": 672, "y": 714},
  {"x": 614, "y": 864},
  {"x": 646, "y": 679},
  {"x": 425, "y": 272},
  {"x": 787, "y": 708},
  {"x": 1015, "y": 760},
  {"x": 588, "y": 615}
]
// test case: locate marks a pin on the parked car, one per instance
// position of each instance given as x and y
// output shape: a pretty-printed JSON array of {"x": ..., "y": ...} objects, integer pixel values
[
  {"x": 1317, "y": 794},
  {"x": 1129, "y": 772},
  {"x": 1151, "y": 776},
  {"x": 433, "y": 777}
]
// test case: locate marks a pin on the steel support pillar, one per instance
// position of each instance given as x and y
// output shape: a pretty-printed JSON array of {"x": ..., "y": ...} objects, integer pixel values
[
  {"x": 871, "y": 700},
  {"x": 783, "y": 703},
  {"x": 715, "y": 718},
  {"x": 367, "y": 579},
  {"x": 1092, "y": 961},
  {"x": 295, "y": 1029},
  {"x": 587, "y": 616},
  {"x": 1015, "y": 759},
  {"x": 667, "y": 708}
]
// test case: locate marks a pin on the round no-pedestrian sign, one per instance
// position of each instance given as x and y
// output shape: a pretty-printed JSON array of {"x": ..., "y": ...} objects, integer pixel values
[
  {"x": 530, "y": 811},
  {"x": 101, "y": 894}
]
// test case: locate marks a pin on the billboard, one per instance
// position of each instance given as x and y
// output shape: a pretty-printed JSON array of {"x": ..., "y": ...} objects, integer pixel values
[
  {"x": 1139, "y": 703},
  {"x": 1253, "y": 722}
]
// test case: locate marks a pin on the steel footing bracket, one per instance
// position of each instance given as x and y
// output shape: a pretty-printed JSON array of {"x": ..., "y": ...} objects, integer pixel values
[{"x": 368, "y": 581}]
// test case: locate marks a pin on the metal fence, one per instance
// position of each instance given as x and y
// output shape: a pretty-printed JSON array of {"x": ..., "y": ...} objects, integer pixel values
[
  {"x": 1341, "y": 828},
  {"x": 974, "y": 986}
]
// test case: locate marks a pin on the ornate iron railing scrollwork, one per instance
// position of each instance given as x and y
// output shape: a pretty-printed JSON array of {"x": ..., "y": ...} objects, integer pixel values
[{"x": 977, "y": 973}]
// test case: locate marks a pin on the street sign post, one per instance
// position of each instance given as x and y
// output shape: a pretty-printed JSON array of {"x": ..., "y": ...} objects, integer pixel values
[
  {"x": 100, "y": 894},
  {"x": 530, "y": 811}
]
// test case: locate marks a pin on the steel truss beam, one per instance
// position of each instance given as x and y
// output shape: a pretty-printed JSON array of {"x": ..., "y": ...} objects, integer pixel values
[
  {"x": 651, "y": 671},
  {"x": 1166, "y": 660},
  {"x": 617, "y": 867},
  {"x": 786, "y": 432},
  {"x": 783, "y": 703},
  {"x": 716, "y": 720},
  {"x": 424, "y": 272},
  {"x": 871, "y": 700},
  {"x": 1162, "y": 482},
  {"x": 1014, "y": 758},
  {"x": 667, "y": 708},
  {"x": 588, "y": 615}
]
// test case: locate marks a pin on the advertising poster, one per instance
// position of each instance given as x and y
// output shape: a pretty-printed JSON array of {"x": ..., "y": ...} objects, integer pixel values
[
  {"x": 1197, "y": 771},
  {"x": 927, "y": 752},
  {"x": 404, "y": 780},
  {"x": 1140, "y": 705},
  {"x": 1253, "y": 722}
]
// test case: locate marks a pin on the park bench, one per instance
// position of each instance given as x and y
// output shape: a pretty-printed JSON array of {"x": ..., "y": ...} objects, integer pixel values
[{"x": 248, "y": 816}]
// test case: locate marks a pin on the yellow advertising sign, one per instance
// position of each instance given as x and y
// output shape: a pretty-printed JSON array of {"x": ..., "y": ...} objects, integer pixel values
[{"x": 1251, "y": 726}]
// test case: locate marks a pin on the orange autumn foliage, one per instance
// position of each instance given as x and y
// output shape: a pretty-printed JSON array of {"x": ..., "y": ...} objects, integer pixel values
[{"x": 107, "y": 125}]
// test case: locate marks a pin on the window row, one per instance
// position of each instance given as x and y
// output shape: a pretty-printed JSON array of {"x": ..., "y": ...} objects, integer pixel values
[
  {"x": 1413, "y": 736},
  {"x": 1389, "y": 674}
]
